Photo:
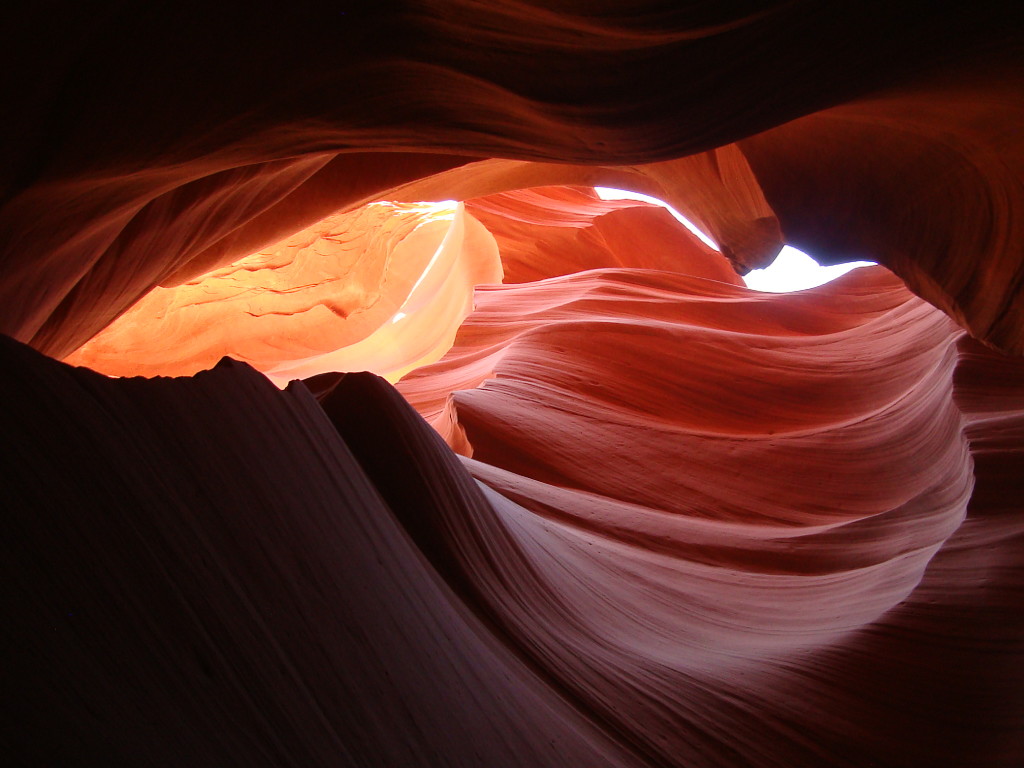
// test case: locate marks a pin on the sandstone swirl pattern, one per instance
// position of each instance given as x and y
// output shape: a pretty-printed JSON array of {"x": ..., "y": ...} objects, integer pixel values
[{"x": 618, "y": 510}]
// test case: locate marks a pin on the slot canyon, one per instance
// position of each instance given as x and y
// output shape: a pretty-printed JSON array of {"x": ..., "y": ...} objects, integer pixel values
[{"x": 346, "y": 424}]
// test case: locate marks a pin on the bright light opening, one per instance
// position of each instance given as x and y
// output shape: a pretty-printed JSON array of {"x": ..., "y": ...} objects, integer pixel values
[
  {"x": 607, "y": 193},
  {"x": 792, "y": 270}
]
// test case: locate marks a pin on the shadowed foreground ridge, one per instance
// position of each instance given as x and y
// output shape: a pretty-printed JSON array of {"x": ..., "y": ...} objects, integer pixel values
[{"x": 618, "y": 509}]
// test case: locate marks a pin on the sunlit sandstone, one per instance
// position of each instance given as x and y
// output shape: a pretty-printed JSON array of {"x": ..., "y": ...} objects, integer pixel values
[{"x": 699, "y": 527}]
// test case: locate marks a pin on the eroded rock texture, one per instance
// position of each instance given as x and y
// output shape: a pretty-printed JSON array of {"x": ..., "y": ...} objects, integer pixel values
[
  {"x": 382, "y": 288},
  {"x": 620, "y": 510}
]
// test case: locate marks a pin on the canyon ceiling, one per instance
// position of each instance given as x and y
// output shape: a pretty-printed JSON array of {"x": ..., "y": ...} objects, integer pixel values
[{"x": 598, "y": 503}]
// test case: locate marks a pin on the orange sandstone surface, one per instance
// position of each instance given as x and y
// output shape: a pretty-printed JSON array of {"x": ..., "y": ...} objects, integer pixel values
[
  {"x": 344, "y": 425},
  {"x": 382, "y": 288}
]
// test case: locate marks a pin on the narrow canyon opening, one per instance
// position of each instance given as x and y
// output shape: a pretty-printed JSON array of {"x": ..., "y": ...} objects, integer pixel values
[{"x": 606, "y": 497}]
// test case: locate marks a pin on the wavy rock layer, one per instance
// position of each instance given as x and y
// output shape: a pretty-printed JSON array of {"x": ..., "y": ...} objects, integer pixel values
[
  {"x": 683, "y": 458},
  {"x": 551, "y": 231},
  {"x": 384, "y": 288},
  {"x": 690, "y": 525},
  {"x": 701, "y": 600},
  {"x": 241, "y": 593},
  {"x": 106, "y": 196}
]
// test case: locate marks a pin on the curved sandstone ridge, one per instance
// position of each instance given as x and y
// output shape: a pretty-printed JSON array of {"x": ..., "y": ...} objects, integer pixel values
[
  {"x": 612, "y": 406},
  {"x": 945, "y": 174},
  {"x": 384, "y": 288},
  {"x": 549, "y": 231},
  {"x": 326, "y": 584},
  {"x": 629, "y": 512},
  {"x": 302, "y": 114}
]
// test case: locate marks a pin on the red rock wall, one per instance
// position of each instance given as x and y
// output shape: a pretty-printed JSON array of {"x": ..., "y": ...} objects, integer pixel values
[{"x": 692, "y": 525}]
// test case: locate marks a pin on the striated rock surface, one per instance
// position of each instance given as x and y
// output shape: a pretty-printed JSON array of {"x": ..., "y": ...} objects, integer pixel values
[
  {"x": 222, "y": 583},
  {"x": 383, "y": 288},
  {"x": 121, "y": 174},
  {"x": 629, "y": 513},
  {"x": 233, "y": 571},
  {"x": 941, "y": 168},
  {"x": 551, "y": 231}
]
